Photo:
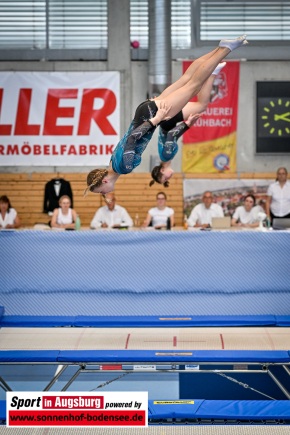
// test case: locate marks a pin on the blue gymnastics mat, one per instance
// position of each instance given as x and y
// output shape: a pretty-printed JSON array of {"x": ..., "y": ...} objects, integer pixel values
[{"x": 140, "y": 321}]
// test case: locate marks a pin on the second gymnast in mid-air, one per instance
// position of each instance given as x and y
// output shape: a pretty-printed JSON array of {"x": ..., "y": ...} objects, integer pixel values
[{"x": 170, "y": 131}]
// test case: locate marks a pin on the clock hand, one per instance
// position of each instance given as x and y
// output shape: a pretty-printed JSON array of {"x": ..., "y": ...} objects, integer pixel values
[{"x": 283, "y": 117}]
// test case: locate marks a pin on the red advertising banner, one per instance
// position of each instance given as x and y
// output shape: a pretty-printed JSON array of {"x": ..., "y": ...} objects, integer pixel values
[
  {"x": 210, "y": 145},
  {"x": 77, "y": 418},
  {"x": 59, "y": 118}
]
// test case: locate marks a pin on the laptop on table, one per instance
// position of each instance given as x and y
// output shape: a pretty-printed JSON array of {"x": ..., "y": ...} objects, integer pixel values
[
  {"x": 221, "y": 223},
  {"x": 281, "y": 224}
]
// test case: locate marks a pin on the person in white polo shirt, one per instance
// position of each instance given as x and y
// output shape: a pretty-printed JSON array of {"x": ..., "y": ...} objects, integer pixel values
[
  {"x": 278, "y": 196},
  {"x": 203, "y": 213},
  {"x": 246, "y": 215}
]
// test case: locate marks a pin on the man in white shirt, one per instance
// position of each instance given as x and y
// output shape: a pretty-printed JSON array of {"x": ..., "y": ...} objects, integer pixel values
[
  {"x": 278, "y": 196},
  {"x": 202, "y": 213},
  {"x": 111, "y": 215}
]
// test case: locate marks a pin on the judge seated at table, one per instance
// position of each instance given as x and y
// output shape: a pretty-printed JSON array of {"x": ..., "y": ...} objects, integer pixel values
[
  {"x": 161, "y": 216},
  {"x": 246, "y": 215},
  {"x": 111, "y": 215},
  {"x": 202, "y": 214}
]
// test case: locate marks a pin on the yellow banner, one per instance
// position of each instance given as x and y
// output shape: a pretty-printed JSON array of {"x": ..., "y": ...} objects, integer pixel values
[{"x": 214, "y": 156}]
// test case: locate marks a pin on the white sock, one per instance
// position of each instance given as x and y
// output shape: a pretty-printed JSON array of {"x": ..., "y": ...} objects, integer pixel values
[
  {"x": 232, "y": 44},
  {"x": 219, "y": 68}
]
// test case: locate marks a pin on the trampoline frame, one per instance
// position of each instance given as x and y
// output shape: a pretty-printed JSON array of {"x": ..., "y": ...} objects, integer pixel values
[{"x": 163, "y": 365}]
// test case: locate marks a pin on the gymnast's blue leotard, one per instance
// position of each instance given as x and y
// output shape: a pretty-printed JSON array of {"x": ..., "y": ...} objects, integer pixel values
[
  {"x": 128, "y": 152},
  {"x": 167, "y": 141}
]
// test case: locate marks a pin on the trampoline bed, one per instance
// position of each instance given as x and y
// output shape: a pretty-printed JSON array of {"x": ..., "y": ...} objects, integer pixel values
[{"x": 170, "y": 338}]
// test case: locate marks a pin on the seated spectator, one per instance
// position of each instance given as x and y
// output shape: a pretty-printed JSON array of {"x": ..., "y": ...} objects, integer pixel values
[
  {"x": 8, "y": 215},
  {"x": 111, "y": 215},
  {"x": 202, "y": 213},
  {"x": 247, "y": 215},
  {"x": 158, "y": 216},
  {"x": 64, "y": 216}
]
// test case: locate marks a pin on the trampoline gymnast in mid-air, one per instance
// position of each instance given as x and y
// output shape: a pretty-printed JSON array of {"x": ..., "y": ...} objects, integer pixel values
[
  {"x": 150, "y": 113},
  {"x": 170, "y": 131}
]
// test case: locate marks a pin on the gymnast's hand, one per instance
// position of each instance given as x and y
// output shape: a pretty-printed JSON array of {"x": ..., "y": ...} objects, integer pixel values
[
  {"x": 192, "y": 119},
  {"x": 161, "y": 113}
]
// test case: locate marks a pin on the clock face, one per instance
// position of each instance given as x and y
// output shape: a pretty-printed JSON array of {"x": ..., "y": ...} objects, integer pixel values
[{"x": 274, "y": 117}]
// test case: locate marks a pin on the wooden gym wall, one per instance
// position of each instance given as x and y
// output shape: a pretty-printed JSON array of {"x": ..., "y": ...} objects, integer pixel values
[{"x": 26, "y": 193}]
